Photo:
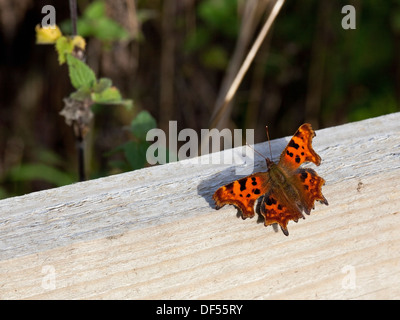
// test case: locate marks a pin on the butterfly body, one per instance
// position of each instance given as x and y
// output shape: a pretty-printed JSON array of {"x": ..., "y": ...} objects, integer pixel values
[
  {"x": 281, "y": 182},
  {"x": 285, "y": 190}
]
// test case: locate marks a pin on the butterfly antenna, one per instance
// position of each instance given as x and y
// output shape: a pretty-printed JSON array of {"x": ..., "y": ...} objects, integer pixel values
[
  {"x": 260, "y": 154},
  {"x": 269, "y": 142}
]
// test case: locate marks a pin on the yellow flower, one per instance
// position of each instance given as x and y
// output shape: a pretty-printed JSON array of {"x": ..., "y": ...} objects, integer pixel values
[
  {"x": 47, "y": 35},
  {"x": 79, "y": 42}
]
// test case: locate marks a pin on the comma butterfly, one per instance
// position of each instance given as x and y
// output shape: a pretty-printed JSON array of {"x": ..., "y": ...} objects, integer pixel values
[{"x": 285, "y": 189}]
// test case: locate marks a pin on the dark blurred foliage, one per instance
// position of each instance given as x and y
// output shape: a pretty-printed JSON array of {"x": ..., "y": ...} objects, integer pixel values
[{"x": 172, "y": 65}]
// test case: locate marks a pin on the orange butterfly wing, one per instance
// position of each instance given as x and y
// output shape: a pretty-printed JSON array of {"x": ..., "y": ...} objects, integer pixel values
[
  {"x": 303, "y": 186},
  {"x": 243, "y": 193},
  {"x": 277, "y": 209},
  {"x": 308, "y": 180},
  {"x": 299, "y": 149},
  {"x": 286, "y": 189}
]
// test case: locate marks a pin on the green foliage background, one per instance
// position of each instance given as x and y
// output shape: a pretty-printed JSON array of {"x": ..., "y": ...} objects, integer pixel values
[{"x": 309, "y": 69}]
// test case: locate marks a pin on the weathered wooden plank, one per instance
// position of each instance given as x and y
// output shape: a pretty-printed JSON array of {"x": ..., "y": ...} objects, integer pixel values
[{"x": 153, "y": 233}]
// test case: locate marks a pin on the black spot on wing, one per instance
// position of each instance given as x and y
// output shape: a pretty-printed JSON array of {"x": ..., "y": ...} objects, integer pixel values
[
  {"x": 298, "y": 134},
  {"x": 242, "y": 183},
  {"x": 293, "y": 144},
  {"x": 270, "y": 201}
]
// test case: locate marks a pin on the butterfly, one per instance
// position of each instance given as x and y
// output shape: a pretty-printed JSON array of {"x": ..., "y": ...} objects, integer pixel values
[{"x": 285, "y": 190}]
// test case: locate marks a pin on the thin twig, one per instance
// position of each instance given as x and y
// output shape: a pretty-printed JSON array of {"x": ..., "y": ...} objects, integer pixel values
[
  {"x": 79, "y": 139},
  {"x": 81, "y": 156},
  {"x": 246, "y": 63},
  {"x": 74, "y": 16}
]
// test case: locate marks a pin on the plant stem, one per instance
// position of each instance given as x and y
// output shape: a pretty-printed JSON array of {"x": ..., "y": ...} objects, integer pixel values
[
  {"x": 81, "y": 156},
  {"x": 80, "y": 141},
  {"x": 74, "y": 16},
  {"x": 246, "y": 64}
]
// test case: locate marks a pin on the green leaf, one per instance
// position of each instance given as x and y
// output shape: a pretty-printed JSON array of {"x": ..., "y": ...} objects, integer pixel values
[
  {"x": 102, "y": 84},
  {"x": 104, "y": 93},
  {"x": 142, "y": 124},
  {"x": 81, "y": 94},
  {"x": 95, "y": 10},
  {"x": 108, "y": 30},
  {"x": 47, "y": 156},
  {"x": 135, "y": 153},
  {"x": 95, "y": 23},
  {"x": 28, "y": 172},
  {"x": 80, "y": 73},
  {"x": 197, "y": 39},
  {"x": 109, "y": 95},
  {"x": 127, "y": 103},
  {"x": 63, "y": 47},
  {"x": 221, "y": 16}
]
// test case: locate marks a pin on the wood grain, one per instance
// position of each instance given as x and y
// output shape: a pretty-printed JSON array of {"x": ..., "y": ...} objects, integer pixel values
[{"x": 154, "y": 234}]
